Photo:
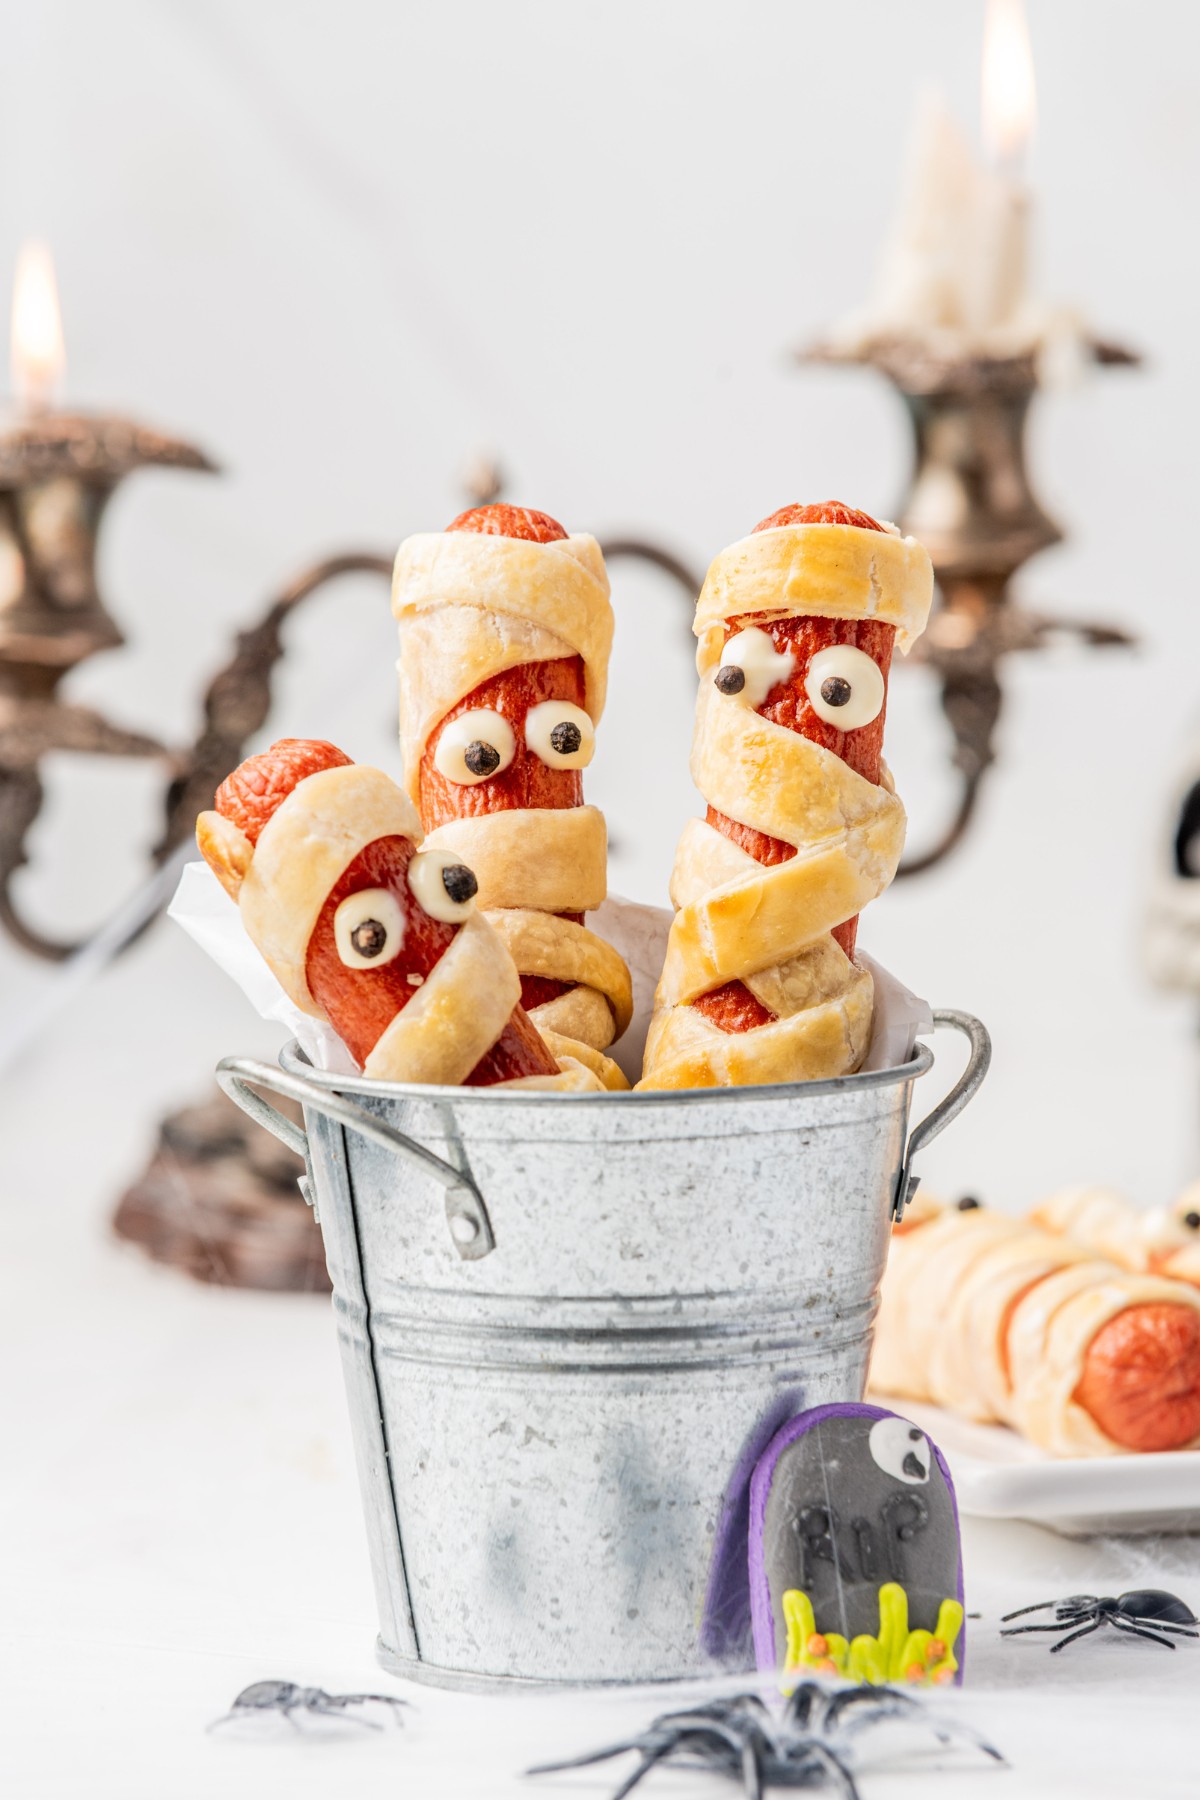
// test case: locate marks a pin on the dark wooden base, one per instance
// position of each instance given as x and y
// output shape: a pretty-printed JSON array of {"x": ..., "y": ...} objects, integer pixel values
[{"x": 219, "y": 1200}]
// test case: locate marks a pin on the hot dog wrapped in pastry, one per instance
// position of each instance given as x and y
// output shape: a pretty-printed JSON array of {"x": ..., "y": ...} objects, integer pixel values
[
  {"x": 505, "y": 630},
  {"x": 797, "y": 624},
  {"x": 985, "y": 1315},
  {"x": 1160, "y": 1241},
  {"x": 365, "y": 930}
]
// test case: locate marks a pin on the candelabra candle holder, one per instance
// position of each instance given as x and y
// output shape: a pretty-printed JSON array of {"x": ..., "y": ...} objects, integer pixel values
[
  {"x": 971, "y": 503},
  {"x": 217, "y": 1199},
  {"x": 57, "y": 474}
]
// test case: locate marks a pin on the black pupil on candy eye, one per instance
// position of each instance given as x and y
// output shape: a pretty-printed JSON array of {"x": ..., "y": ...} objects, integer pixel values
[
  {"x": 481, "y": 758},
  {"x": 369, "y": 938},
  {"x": 730, "y": 679},
  {"x": 460, "y": 883},
  {"x": 566, "y": 738},
  {"x": 835, "y": 690},
  {"x": 1192, "y": 1221}
]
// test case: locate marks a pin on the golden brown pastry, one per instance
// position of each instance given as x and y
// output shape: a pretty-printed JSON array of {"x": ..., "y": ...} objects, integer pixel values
[
  {"x": 365, "y": 930},
  {"x": 505, "y": 630},
  {"x": 1160, "y": 1240},
  {"x": 998, "y": 1321},
  {"x": 796, "y": 626}
]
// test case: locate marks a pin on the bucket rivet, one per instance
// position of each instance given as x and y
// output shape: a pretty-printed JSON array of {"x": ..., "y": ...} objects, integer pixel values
[{"x": 463, "y": 1229}]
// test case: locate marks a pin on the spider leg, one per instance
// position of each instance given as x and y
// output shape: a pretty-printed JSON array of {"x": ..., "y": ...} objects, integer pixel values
[
  {"x": 361, "y": 1700},
  {"x": 1022, "y": 1610},
  {"x": 834, "y": 1766},
  {"x": 648, "y": 1761},
  {"x": 1140, "y": 1631},
  {"x": 882, "y": 1702},
  {"x": 1070, "y": 1638},
  {"x": 1058, "y": 1625},
  {"x": 752, "y": 1769},
  {"x": 801, "y": 1701},
  {"x": 590, "y": 1757},
  {"x": 948, "y": 1731},
  {"x": 336, "y": 1712}
]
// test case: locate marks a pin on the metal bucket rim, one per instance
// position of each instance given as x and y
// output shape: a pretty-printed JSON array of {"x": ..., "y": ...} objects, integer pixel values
[{"x": 292, "y": 1058}]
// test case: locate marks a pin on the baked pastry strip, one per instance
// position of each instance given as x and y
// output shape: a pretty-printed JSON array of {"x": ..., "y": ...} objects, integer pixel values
[
  {"x": 505, "y": 629},
  {"x": 796, "y": 625},
  {"x": 1001, "y": 1322},
  {"x": 365, "y": 930},
  {"x": 1159, "y": 1241}
]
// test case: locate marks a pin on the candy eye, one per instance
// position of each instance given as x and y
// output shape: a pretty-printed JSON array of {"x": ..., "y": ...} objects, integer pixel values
[
  {"x": 368, "y": 928},
  {"x": 443, "y": 885},
  {"x": 560, "y": 735},
  {"x": 844, "y": 687},
  {"x": 474, "y": 747},
  {"x": 900, "y": 1450},
  {"x": 751, "y": 666}
]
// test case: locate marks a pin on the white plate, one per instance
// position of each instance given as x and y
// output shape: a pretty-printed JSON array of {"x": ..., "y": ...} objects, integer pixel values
[{"x": 997, "y": 1475}]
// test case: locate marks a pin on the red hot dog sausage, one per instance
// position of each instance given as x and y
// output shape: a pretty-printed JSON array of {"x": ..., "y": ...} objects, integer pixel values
[
  {"x": 360, "y": 1003},
  {"x": 527, "y": 782},
  {"x": 732, "y": 1007}
]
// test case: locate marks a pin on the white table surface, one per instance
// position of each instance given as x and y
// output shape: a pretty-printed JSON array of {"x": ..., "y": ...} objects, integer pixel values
[{"x": 180, "y": 1518}]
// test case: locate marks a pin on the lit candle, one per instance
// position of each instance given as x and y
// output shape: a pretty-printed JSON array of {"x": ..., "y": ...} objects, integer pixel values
[
  {"x": 997, "y": 289},
  {"x": 954, "y": 272},
  {"x": 38, "y": 355}
]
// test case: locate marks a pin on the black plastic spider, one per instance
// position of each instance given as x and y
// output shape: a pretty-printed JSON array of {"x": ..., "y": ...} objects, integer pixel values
[
  {"x": 287, "y": 1698},
  {"x": 806, "y": 1745},
  {"x": 1130, "y": 1613}
]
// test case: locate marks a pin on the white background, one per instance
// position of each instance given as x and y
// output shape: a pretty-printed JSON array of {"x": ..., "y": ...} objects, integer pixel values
[{"x": 346, "y": 247}]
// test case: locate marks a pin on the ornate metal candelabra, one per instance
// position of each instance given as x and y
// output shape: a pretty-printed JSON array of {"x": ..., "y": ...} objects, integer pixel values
[
  {"x": 57, "y": 474},
  {"x": 218, "y": 1200},
  {"x": 971, "y": 503}
]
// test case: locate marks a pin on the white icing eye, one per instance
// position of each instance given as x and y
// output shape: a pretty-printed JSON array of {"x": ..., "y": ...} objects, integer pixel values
[
  {"x": 561, "y": 735},
  {"x": 751, "y": 666},
  {"x": 845, "y": 687},
  {"x": 474, "y": 747},
  {"x": 368, "y": 928},
  {"x": 443, "y": 885},
  {"x": 900, "y": 1450}
]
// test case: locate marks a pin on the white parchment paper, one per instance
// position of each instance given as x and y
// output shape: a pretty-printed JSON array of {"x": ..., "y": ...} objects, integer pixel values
[{"x": 639, "y": 932}]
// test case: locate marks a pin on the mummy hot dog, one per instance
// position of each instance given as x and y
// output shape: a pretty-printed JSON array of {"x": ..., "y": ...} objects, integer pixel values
[
  {"x": 1161, "y": 1241},
  {"x": 505, "y": 629},
  {"x": 796, "y": 625},
  {"x": 367, "y": 931},
  {"x": 997, "y": 1321}
]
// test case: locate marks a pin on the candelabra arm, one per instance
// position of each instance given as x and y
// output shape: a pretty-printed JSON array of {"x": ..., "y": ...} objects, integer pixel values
[
  {"x": 239, "y": 697},
  {"x": 971, "y": 701},
  {"x": 639, "y": 550},
  {"x": 235, "y": 707}
]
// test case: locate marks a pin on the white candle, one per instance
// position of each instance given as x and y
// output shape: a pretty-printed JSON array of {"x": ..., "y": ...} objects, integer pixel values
[
  {"x": 997, "y": 286},
  {"x": 955, "y": 268},
  {"x": 38, "y": 355}
]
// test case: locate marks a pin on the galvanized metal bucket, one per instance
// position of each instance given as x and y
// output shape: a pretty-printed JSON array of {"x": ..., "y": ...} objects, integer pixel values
[{"x": 570, "y": 1323}]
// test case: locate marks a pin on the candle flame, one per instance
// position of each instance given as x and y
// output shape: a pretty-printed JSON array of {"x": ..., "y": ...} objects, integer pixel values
[
  {"x": 1009, "y": 91},
  {"x": 39, "y": 357}
]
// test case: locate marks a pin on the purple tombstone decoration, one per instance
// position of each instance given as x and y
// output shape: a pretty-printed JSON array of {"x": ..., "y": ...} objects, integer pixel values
[{"x": 846, "y": 1500}]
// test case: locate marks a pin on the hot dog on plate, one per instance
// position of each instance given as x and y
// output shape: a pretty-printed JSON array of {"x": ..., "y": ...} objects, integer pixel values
[{"x": 985, "y": 1315}]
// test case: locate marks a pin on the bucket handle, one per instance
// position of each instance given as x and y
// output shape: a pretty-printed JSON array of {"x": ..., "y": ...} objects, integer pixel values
[
  {"x": 963, "y": 1090},
  {"x": 466, "y": 1214}
]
